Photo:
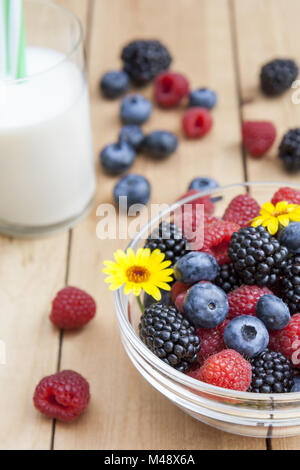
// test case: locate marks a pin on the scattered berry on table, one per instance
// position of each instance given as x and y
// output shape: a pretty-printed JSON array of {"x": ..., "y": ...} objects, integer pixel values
[
  {"x": 271, "y": 373},
  {"x": 212, "y": 341},
  {"x": 203, "y": 98},
  {"x": 273, "y": 312},
  {"x": 287, "y": 341},
  {"x": 247, "y": 335},
  {"x": 226, "y": 369},
  {"x": 296, "y": 387},
  {"x": 136, "y": 188},
  {"x": 205, "y": 305},
  {"x": 145, "y": 59},
  {"x": 72, "y": 308},
  {"x": 290, "y": 284},
  {"x": 258, "y": 137},
  {"x": 133, "y": 135},
  {"x": 241, "y": 210},
  {"x": 196, "y": 266},
  {"x": 170, "y": 89},
  {"x": 243, "y": 300},
  {"x": 277, "y": 76},
  {"x": 291, "y": 195},
  {"x": 289, "y": 150},
  {"x": 135, "y": 109},
  {"x": 114, "y": 84},
  {"x": 257, "y": 256},
  {"x": 227, "y": 278},
  {"x": 160, "y": 144},
  {"x": 168, "y": 238},
  {"x": 169, "y": 336},
  {"x": 63, "y": 396},
  {"x": 290, "y": 237},
  {"x": 117, "y": 158},
  {"x": 197, "y": 122},
  {"x": 204, "y": 184},
  {"x": 217, "y": 236},
  {"x": 165, "y": 299}
]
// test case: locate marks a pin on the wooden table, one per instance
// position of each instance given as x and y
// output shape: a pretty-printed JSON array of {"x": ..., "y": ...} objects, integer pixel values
[{"x": 218, "y": 43}]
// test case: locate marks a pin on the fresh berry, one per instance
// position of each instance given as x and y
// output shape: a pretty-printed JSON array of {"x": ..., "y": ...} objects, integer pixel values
[
  {"x": 296, "y": 387},
  {"x": 133, "y": 135},
  {"x": 277, "y": 76},
  {"x": 178, "y": 288},
  {"x": 72, "y": 308},
  {"x": 257, "y": 256},
  {"x": 114, "y": 84},
  {"x": 217, "y": 236},
  {"x": 290, "y": 284},
  {"x": 290, "y": 237},
  {"x": 135, "y": 109},
  {"x": 170, "y": 89},
  {"x": 258, "y": 137},
  {"x": 203, "y": 98},
  {"x": 247, "y": 335},
  {"x": 227, "y": 278},
  {"x": 165, "y": 299},
  {"x": 203, "y": 184},
  {"x": 117, "y": 158},
  {"x": 135, "y": 188},
  {"x": 169, "y": 336},
  {"x": 205, "y": 305},
  {"x": 242, "y": 210},
  {"x": 197, "y": 122},
  {"x": 63, "y": 396},
  {"x": 145, "y": 59},
  {"x": 160, "y": 144},
  {"x": 169, "y": 240},
  {"x": 271, "y": 373},
  {"x": 289, "y": 150},
  {"x": 226, "y": 369},
  {"x": 196, "y": 266},
  {"x": 287, "y": 341},
  {"x": 292, "y": 196},
  {"x": 212, "y": 341},
  {"x": 273, "y": 312},
  {"x": 243, "y": 300}
]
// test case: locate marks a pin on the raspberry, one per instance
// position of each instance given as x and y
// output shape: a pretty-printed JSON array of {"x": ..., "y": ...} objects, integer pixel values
[
  {"x": 197, "y": 122},
  {"x": 72, "y": 308},
  {"x": 217, "y": 236},
  {"x": 243, "y": 300},
  {"x": 212, "y": 341},
  {"x": 227, "y": 369},
  {"x": 63, "y": 396},
  {"x": 258, "y": 137},
  {"x": 286, "y": 194},
  {"x": 242, "y": 210},
  {"x": 170, "y": 89},
  {"x": 287, "y": 341},
  {"x": 177, "y": 289}
]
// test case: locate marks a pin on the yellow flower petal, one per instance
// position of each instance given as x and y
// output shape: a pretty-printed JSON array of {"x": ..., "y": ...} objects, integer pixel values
[
  {"x": 257, "y": 221},
  {"x": 269, "y": 208},
  {"x": 284, "y": 220},
  {"x": 273, "y": 226}
]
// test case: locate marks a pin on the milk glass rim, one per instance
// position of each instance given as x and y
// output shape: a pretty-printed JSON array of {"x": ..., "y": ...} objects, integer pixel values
[{"x": 74, "y": 49}]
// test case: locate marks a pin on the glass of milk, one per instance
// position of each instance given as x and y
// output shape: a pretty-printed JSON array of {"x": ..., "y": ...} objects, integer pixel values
[{"x": 47, "y": 173}]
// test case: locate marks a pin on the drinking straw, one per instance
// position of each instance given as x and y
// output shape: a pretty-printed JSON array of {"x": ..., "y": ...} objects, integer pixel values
[{"x": 3, "y": 39}]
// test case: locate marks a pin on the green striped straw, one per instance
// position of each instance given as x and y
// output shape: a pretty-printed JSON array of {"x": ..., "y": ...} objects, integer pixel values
[{"x": 12, "y": 48}]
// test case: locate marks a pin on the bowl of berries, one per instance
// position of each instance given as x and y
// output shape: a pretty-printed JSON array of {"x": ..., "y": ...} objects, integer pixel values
[{"x": 217, "y": 330}]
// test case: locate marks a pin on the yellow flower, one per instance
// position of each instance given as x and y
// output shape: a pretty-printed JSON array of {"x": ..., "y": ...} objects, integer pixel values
[
  {"x": 139, "y": 271},
  {"x": 275, "y": 217}
]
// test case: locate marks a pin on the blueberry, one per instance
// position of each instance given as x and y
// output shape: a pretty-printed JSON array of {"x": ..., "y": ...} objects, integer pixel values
[
  {"x": 290, "y": 237},
  {"x": 247, "y": 335},
  {"x": 135, "y": 109},
  {"x": 114, "y": 84},
  {"x": 160, "y": 144},
  {"x": 273, "y": 312},
  {"x": 203, "y": 98},
  {"x": 133, "y": 135},
  {"x": 117, "y": 158},
  {"x": 136, "y": 188},
  {"x": 204, "y": 184},
  {"x": 196, "y": 266},
  {"x": 205, "y": 305},
  {"x": 296, "y": 387}
]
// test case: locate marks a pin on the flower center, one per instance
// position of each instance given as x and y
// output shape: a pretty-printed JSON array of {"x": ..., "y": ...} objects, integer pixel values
[{"x": 137, "y": 274}]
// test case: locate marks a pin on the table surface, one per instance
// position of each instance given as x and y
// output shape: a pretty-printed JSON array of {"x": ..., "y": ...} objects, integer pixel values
[{"x": 218, "y": 43}]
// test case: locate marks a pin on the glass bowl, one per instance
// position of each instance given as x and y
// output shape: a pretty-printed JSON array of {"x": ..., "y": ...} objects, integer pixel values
[{"x": 248, "y": 414}]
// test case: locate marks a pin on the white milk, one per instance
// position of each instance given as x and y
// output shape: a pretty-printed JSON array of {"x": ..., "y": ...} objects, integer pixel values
[{"x": 46, "y": 160}]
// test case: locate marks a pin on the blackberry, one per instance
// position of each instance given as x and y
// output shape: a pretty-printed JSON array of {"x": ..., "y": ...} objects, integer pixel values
[
  {"x": 290, "y": 284},
  {"x": 168, "y": 238},
  {"x": 227, "y": 279},
  {"x": 289, "y": 150},
  {"x": 144, "y": 60},
  {"x": 271, "y": 373},
  {"x": 169, "y": 336},
  {"x": 257, "y": 256},
  {"x": 277, "y": 76}
]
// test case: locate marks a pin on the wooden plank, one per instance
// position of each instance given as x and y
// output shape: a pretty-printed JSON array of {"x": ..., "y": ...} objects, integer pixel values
[
  {"x": 267, "y": 29},
  {"x": 125, "y": 412}
]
